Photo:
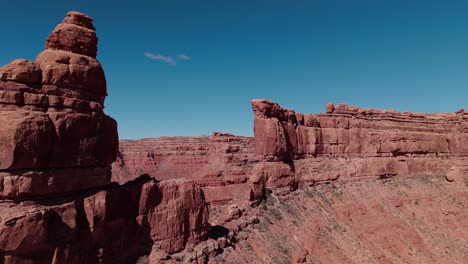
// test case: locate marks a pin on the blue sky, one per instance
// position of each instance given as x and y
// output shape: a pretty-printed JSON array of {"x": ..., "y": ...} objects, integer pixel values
[{"x": 403, "y": 55}]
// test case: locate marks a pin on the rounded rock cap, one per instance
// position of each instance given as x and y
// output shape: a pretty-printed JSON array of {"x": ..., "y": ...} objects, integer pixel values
[
  {"x": 75, "y": 34},
  {"x": 79, "y": 19}
]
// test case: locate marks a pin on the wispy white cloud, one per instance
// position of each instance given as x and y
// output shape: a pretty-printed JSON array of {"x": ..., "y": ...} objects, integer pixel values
[
  {"x": 160, "y": 57},
  {"x": 183, "y": 57}
]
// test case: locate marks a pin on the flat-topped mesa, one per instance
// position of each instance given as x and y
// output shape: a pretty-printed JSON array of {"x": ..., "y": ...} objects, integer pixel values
[
  {"x": 383, "y": 143},
  {"x": 56, "y": 137},
  {"x": 352, "y": 131},
  {"x": 344, "y": 109}
]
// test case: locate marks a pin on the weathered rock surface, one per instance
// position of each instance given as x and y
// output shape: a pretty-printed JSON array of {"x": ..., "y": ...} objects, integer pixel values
[
  {"x": 351, "y": 142},
  {"x": 117, "y": 224},
  {"x": 59, "y": 155},
  {"x": 57, "y": 202},
  {"x": 402, "y": 151},
  {"x": 175, "y": 213},
  {"x": 220, "y": 164},
  {"x": 75, "y": 34},
  {"x": 52, "y": 111}
]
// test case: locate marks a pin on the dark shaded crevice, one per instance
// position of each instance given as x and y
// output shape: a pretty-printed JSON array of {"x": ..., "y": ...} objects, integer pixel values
[
  {"x": 448, "y": 145},
  {"x": 319, "y": 148},
  {"x": 54, "y": 168},
  {"x": 218, "y": 231},
  {"x": 399, "y": 153}
]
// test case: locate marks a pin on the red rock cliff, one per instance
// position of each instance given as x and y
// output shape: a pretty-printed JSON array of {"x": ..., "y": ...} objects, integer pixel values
[
  {"x": 350, "y": 142},
  {"x": 221, "y": 164},
  {"x": 57, "y": 203}
]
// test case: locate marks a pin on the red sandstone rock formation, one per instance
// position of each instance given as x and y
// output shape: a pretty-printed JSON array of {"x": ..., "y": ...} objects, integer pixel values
[
  {"x": 221, "y": 164},
  {"x": 348, "y": 141},
  {"x": 57, "y": 138},
  {"x": 57, "y": 203},
  {"x": 169, "y": 207}
]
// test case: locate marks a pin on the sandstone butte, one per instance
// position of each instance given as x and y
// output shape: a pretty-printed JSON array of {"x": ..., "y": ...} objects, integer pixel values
[{"x": 349, "y": 185}]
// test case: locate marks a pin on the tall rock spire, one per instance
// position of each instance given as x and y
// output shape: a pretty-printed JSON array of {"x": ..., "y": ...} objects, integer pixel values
[
  {"x": 57, "y": 139},
  {"x": 56, "y": 148}
]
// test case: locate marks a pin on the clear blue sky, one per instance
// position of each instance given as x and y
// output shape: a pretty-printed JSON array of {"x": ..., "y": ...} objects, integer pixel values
[{"x": 400, "y": 54}]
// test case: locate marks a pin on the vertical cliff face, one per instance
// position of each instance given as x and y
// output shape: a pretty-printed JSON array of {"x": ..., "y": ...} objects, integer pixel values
[
  {"x": 57, "y": 203},
  {"x": 349, "y": 142},
  {"x": 350, "y": 131}
]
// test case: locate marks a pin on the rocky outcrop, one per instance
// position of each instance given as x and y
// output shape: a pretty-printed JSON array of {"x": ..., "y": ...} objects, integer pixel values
[
  {"x": 290, "y": 149},
  {"x": 175, "y": 213},
  {"x": 220, "y": 164},
  {"x": 56, "y": 137},
  {"x": 116, "y": 224},
  {"x": 350, "y": 142},
  {"x": 57, "y": 202}
]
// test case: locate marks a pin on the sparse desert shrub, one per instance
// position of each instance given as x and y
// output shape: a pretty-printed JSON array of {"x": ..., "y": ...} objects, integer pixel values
[
  {"x": 282, "y": 245},
  {"x": 248, "y": 247},
  {"x": 262, "y": 226},
  {"x": 292, "y": 210},
  {"x": 338, "y": 194}
]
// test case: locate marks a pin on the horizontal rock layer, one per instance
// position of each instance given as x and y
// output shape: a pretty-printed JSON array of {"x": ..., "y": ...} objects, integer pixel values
[
  {"x": 220, "y": 163},
  {"x": 55, "y": 136},
  {"x": 284, "y": 134},
  {"x": 290, "y": 149},
  {"x": 348, "y": 141}
]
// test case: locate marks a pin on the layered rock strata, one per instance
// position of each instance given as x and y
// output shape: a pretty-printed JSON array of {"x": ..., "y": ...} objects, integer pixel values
[
  {"x": 349, "y": 142},
  {"x": 56, "y": 137},
  {"x": 290, "y": 149},
  {"x": 221, "y": 164},
  {"x": 57, "y": 202}
]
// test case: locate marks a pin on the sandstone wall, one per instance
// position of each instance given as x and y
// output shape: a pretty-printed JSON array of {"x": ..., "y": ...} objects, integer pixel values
[
  {"x": 221, "y": 164},
  {"x": 349, "y": 142}
]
